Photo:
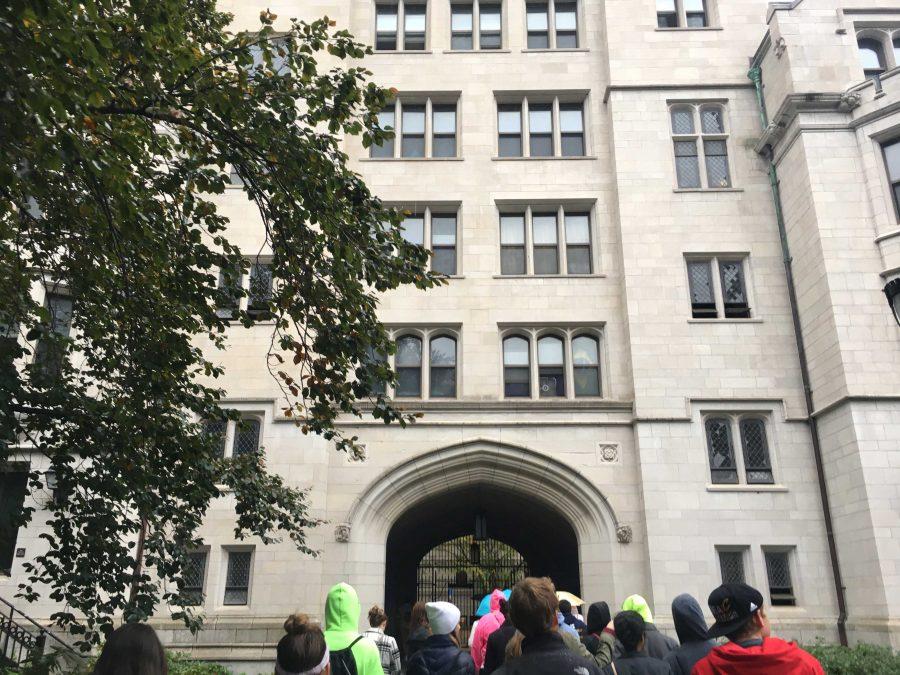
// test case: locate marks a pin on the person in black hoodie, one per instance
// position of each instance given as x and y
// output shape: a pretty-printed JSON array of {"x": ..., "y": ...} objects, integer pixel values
[
  {"x": 497, "y": 641},
  {"x": 598, "y": 638},
  {"x": 692, "y": 633},
  {"x": 441, "y": 654},
  {"x": 629, "y": 627}
]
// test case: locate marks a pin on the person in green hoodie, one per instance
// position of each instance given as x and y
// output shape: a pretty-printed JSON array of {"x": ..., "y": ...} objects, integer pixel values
[
  {"x": 342, "y": 612},
  {"x": 656, "y": 644}
]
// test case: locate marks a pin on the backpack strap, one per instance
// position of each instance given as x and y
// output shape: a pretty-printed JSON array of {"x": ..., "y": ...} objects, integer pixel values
[
  {"x": 613, "y": 666},
  {"x": 355, "y": 641}
]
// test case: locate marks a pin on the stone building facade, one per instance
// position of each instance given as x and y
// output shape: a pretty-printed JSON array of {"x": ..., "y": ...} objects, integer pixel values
[{"x": 595, "y": 176}]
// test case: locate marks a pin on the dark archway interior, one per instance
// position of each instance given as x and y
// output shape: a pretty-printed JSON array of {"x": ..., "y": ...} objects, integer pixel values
[{"x": 539, "y": 532}]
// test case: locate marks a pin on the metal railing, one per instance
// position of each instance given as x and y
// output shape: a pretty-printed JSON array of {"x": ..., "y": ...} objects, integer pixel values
[{"x": 22, "y": 639}]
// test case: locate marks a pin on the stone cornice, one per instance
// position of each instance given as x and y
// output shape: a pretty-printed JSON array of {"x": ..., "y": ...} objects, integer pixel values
[{"x": 794, "y": 104}]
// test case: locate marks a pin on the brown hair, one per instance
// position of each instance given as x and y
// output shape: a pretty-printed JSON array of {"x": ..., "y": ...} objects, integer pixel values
[
  {"x": 304, "y": 645},
  {"x": 376, "y": 616},
  {"x": 532, "y": 606},
  {"x": 418, "y": 616},
  {"x": 133, "y": 648}
]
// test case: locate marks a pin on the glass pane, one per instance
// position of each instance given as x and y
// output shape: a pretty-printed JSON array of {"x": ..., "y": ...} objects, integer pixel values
[
  {"x": 756, "y": 451},
  {"x": 409, "y": 382},
  {"x": 515, "y": 352},
  {"x": 585, "y": 351},
  {"x": 385, "y": 42},
  {"x": 512, "y": 229},
  {"x": 578, "y": 230},
  {"x": 489, "y": 18},
  {"x": 733, "y": 282},
  {"x": 461, "y": 18},
  {"x": 578, "y": 259},
  {"x": 721, "y": 451},
  {"x": 60, "y": 309},
  {"x": 443, "y": 260},
  {"x": 546, "y": 260},
  {"x": 516, "y": 382},
  {"x": 538, "y": 41},
  {"x": 587, "y": 381},
  {"x": 550, "y": 351},
  {"x": 246, "y": 437},
  {"x": 687, "y": 167},
  {"x": 700, "y": 280},
  {"x": 732, "y": 565},
  {"x": 665, "y": 5},
  {"x": 570, "y": 118},
  {"x": 682, "y": 121},
  {"x": 572, "y": 145},
  {"x": 694, "y": 6},
  {"x": 414, "y": 119},
  {"x": 386, "y": 118},
  {"x": 412, "y": 146},
  {"x": 870, "y": 55},
  {"x": 237, "y": 578},
  {"x": 443, "y": 146},
  {"x": 896, "y": 44},
  {"x": 892, "y": 159},
  {"x": 194, "y": 576},
  {"x": 214, "y": 430},
  {"x": 444, "y": 119},
  {"x": 537, "y": 16},
  {"x": 717, "y": 171},
  {"x": 565, "y": 16},
  {"x": 711, "y": 121},
  {"x": 385, "y": 19},
  {"x": 260, "y": 286},
  {"x": 696, "y": 20},
  {"x": 461, "y": 41},
  {"x": 443, "y": 382},
  {"x": 551, "y": 382},
  {"x": 443, "y": 351},
  {"x": 540, "y": 119},
  {"x": 544, "y": 225},
  {"x": 414, "y": 19},
  {"x": 510, "y": 146},
  {"x": 443, "y": 230},
  {"x": 512, "y": 260},
  {"x": 490, "y": 40},
  {"x": 413, "y": 229},
  {"x": 409, "y": 351},
  {"x": 509, "y": 120},
  {"x": 541, "y": 146}
]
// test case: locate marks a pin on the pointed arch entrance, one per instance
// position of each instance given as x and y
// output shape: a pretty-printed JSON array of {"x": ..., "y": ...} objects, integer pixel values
[{"x": 548, "y": 511}]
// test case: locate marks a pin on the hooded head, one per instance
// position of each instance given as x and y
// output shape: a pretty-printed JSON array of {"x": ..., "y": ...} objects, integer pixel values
[
  {"x": 636, "y": 603},
  {"x": 342, "y": 609},
  {"x": 689, "y": 622},
  {"x": 598, "y": 617},
  {"x": 496, "y": 597}
]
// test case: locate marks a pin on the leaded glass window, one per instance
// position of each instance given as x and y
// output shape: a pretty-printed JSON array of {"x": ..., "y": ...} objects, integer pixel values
[
  {"x": 700, "y": 138},
  {"x": 52, "y": 346},
  {"x": 516, "y": 367},
  {"x": 687, "y": 166},
  {"x": 734, "y": 290},
  {"x": 732, "y": 565},
  {"x": 703, "y": 302},
  {"x": 551, "y": 367},
  {"x": 716, "y": 164},
  {"x": 237, "y": 578},
  {"x": 778, "y": 571},
  {"x": 721, "y": 450},
  {"x": 260, "y": 295},
  {"x": 408, "y": 362},
  {"x": 755, "y": 445},
  {"x": 215, "y": 431},
  {"x": 246, "y": 437},
  {"x": 228, "y": 295},
  {"x": 443, "y": 367},
  {"x": 194, "y": 578}
]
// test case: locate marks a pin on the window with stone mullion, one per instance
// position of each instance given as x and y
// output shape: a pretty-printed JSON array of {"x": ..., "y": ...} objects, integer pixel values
[{"x": 755, "y": 446}]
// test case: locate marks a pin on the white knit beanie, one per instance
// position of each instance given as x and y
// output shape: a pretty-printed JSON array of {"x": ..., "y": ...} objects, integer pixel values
[{"x": 443, "y": 617}]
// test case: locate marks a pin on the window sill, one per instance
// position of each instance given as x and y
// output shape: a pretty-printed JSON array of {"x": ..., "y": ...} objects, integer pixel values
[
  {"x": 728, "y": 189},
  {"x": 550, "y": 276},
  {"x": 750, "y": 320},
  {"x": 540, "y": 159},
  {"x": 476, "y": 51},
  {"x": 410, "y": 159},
  {"x": 678, "y": 29},
  {"x": 561, "y": 49},
  {"x": 376, "y": 52},
  {"x": 746, "y": 488}
]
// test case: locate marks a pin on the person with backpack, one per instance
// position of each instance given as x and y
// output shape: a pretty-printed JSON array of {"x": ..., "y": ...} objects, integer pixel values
[
  {"x": 630, "y": 630},
  {"x": 350, "y": 652},
  {"x": 441, "y": 654}
]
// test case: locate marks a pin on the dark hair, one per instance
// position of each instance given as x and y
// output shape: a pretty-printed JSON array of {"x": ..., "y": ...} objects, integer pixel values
[
  {"x": 532, "y": 606},
  {"x": 565, "y": 606},
  {"x": 504, "y": 606},
  {"x": 376, "y": 616},
  {"x": 132, "y": 649},
  {"x": 745, "y": 629},
  {"x": 629, "y": 629},
  {"x": 303, "y": 647},
  {"x": 418, "y": 616}
]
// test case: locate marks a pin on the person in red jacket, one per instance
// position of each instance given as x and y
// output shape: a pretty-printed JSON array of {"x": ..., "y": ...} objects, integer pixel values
[{"x": 751, "y": 649}]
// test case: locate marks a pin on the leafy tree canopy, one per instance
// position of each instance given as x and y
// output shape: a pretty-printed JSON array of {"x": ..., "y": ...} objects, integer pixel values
[{"x": 120, "y": 121}]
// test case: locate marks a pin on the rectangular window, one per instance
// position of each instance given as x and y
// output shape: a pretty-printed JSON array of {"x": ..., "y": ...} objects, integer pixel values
[
  {"x": 237, "y": 578},
  {"x": 892, "y": 164},
  {"x": 703, "y": 302},
  {"x": 578, "y": 243},
  {"x": 408, "y": 365},
  {"x": 666, "y": 14},
  {"x": 731, "y": 563},
  {"x": 216, "y": 431},
  {"x": 721, "y": 450},
  {"x": 194, "y": 578},
  {"x": 566, "y": 20},
  {"x": 687, "y": 167},
  {"x": 461, "y": 26},
  {"x": 443, "y": 243},
  {"x": 443, "y": 122},
  {"x": 413, "y": 227},
  {"x": 228, "y": 295},
  {"x": 413, "y": 129},
  {"x": 413, "y": 27},
  {"x": 246, "y": 437},
  {"x": 13, "y": 487},
  {"x": 546, "y": 247},
  {"x": 442, "y": 364},
  {"x": 712, "y": 138},
  {"x": 729, "y": 299},
  {"x": 682, "y": 14},
  {"x": 734, "y": 292},
  {"x": 538, "y": 25},
  {"x": 51, "y": 349},
  {"x": 385, "y": 27},
  {"x": 540, "y": 129},
  {"x": 490, "y": 26},
  {"x": 755, "y": 446},
  {"x": 778, "y": 571},
  {"x": 512, "y": 244},
  {"x": 571, "y": 129},
  {"x": 509, "y": 123},
  {"x": 749, "y": 462},
  {"x": 377, "y": 386},
  {"x": 386, "y": 119},
  {"x": 695, "y": 13},
  {"x": 516, "y": 367},
  {"x": 260, "y": 295}
]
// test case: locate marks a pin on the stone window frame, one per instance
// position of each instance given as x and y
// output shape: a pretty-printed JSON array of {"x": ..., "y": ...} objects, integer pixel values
[
  {"x": 738, "y": 451},
  {"x": 792, "y": 599},
  {"x": 429, "y": 101},
  {"x": 226, "y": 552},
  {"x": 475, "y": 6},
  {"x": 428, "y": 210},
  {"x": 400, "y": 31},
  {"x": 555, "y": 100},
  {"x": 425, "y": 334},
  {"x": 230, "y": 433},
  {"x": 204, "y": 579},
  {"x": 552, "y": 32},
  {"x": 715, "y": 260},
  {"x": 243, "y": 303},
  {"x": 745, "y": 557},
  {"x": 700, "y": 138},
  {"x": 527, "y": 212},
  {"x": 883, "y": 38},
  {"x": 681, "y": 16},
  {"x": 567, "y": 334}
]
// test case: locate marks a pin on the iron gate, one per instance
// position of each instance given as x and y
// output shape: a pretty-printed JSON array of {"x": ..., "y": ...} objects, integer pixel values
[{"x": 463, "y": 571}]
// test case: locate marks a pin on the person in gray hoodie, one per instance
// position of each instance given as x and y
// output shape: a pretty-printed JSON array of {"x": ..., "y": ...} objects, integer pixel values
[{"x": 692, "y": 634}]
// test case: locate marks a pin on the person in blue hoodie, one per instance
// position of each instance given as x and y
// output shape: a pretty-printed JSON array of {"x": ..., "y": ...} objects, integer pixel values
[
  {"x": 441, "y": 654},
  {"x": 692, "y": 634}
]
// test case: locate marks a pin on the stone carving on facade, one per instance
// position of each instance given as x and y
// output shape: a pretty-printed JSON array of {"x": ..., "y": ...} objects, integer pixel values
[
  {"x": 609, "y": 452},
  {"x": 849, "y": 101},
  {"x": 780, "y": 47},
  {"x": 342, "y": 533},
  {"x": 624, "y": 534}
]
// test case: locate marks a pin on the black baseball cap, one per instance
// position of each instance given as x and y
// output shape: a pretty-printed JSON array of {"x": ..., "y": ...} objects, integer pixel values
[{"x": 732, "y": 605}]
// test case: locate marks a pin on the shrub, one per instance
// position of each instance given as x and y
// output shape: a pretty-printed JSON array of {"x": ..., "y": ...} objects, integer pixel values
[{"x": 862, "y": 659}]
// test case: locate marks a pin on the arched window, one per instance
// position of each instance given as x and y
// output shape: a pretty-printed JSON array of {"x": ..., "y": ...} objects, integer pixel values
[
  {"x": 246, "y": 437},
  {"x": 551, "y": 367},
  {"x": 408, "y": 362},
  {"x": 721, "y": 450},
  {"x": 443, "y": 367},
  {"x": 375, "y": 358},
  {"x": 516, "y": 367},
  {"x": 586, "y": 365},
  {"x": 871, "y": 54}
]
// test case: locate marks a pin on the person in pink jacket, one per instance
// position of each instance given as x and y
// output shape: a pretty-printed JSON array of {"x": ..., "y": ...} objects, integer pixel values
[{"x": 487, "y": 625}]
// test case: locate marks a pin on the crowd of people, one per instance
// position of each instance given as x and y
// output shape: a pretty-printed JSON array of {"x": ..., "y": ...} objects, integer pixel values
[{"x": 531, "y": 632}]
